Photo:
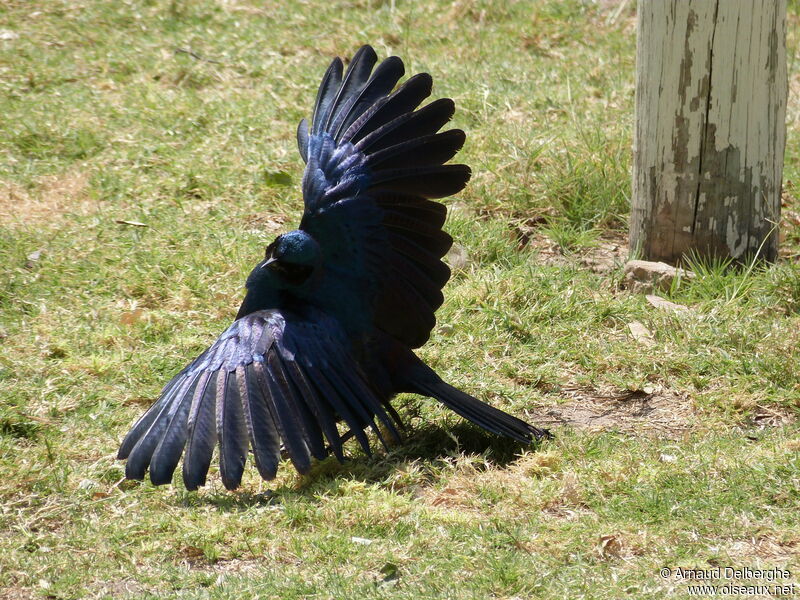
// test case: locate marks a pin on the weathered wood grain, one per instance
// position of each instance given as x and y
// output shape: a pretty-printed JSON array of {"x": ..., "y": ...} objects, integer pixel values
[{"x": 711, "y": 88}]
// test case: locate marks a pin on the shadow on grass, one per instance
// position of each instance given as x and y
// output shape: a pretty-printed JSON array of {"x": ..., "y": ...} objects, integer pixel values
[{"x": 429, "y": 446}]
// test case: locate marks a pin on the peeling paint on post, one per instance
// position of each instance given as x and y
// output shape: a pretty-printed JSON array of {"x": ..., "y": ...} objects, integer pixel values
[{"x": 711, "y": 88}]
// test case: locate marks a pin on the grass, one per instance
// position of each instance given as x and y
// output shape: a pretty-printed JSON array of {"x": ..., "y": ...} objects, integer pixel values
[{"x": 180, "y": 116}]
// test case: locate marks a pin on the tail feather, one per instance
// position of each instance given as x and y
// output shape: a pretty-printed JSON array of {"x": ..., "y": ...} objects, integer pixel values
[{"x": 480, "y": 413}]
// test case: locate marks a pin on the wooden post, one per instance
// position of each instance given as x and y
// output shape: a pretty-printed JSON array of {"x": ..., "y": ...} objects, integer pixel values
[{"x": 711, "y": 88}]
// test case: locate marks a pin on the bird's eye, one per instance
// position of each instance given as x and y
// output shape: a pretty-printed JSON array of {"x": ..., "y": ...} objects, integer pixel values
[{"x": 292, "y": 273}]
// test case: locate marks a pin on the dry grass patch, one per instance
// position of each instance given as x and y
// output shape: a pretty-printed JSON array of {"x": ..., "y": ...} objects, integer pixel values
[
  {"x": 623, "y": 545},
  {"x": 17, "y": 593},
  {"x": 52, "y": 197},
  {"x": 761, "y": 548},
  {"x": 601, "y": 255},
  {"x": 531, "y": 483},
  {"x": 769, "y": 416},
  {"x": 569, "y": 502}
]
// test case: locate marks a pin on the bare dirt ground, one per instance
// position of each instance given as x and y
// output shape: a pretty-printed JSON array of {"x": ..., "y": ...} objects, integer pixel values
[
  {"x": 657, "y": 413},
  {"x": 660, "y": 413}
]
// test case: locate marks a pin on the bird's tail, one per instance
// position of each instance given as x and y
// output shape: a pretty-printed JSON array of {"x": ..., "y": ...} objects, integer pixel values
[{"x": 472, "y": 409}]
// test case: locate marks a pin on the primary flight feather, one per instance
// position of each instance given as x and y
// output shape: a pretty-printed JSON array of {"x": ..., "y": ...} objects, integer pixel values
[{"x": 326, "y": 329}]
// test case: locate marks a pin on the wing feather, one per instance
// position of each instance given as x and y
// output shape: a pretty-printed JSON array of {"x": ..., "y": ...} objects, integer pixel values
[
  {"x": 146, "y": 420},
  {"x": 428, "y": 150},
  {"x": 143, "y": 450},
  {"x": 426, "y": 121},
  {"x": 394, "y": 204},
  {"x": 273, "y": 377},
  {"x": 264, "y": 437},
  {"x": 355, "y": 78},
  {"x": 383, "y": 80},
  {"x": 319, "y": 406},
  {"x": 302, "y": 139},
  {"x": 231, "y": 429},
  {"x": 374, "y": 162},
  {"x": 404, "y": 100},
  {"x": 327, "y": 92},
  {"x": 169, "y": 449},
  {"x": 202, "y": 433}
]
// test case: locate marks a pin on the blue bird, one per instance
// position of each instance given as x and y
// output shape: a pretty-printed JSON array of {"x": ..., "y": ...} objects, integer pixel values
[{"x": 327, "y": 326}]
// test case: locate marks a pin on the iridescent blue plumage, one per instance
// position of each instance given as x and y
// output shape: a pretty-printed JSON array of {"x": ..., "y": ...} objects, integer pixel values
[{"x": 326, "y": 329}]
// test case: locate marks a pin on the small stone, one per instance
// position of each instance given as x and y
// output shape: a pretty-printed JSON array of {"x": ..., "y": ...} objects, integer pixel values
[
  {"x": 641, "y": 334},
  {"x": 360, "y": 540},
  {"x": 457, "y": 257},
  {"x": 32, "y": 259},
  {"x": 659, "y": 302},
  {"x": 644, "y": 276}
]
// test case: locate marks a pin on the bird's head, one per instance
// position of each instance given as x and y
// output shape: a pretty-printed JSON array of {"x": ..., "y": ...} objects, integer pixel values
[{"x": 289, "y": 261}]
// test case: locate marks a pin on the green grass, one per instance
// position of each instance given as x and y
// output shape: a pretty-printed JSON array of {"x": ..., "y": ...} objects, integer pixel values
[{"x": 105, "y": 117}]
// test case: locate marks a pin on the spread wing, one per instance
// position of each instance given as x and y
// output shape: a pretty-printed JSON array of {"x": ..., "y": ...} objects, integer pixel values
[
  {"x": 374, "y": 162},
  {"x": 271, "y": 379}
]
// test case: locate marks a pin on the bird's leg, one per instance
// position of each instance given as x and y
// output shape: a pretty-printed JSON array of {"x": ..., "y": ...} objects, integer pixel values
[{"x": 344, "y": 437}]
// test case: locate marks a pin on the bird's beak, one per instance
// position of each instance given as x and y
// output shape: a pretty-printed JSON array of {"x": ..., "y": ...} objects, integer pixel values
[{"x": 268, "y": 262}]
